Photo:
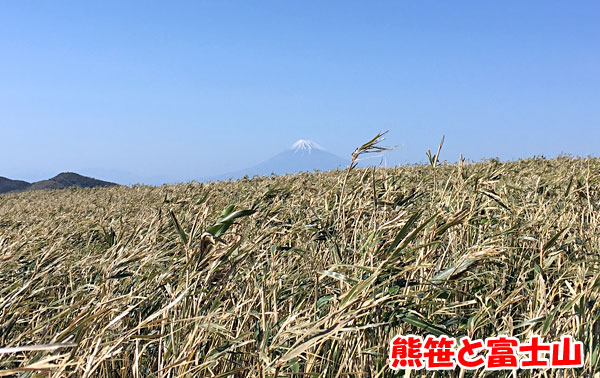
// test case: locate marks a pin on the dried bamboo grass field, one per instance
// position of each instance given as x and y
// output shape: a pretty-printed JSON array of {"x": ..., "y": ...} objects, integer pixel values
[{"x": 308, "y": 275}]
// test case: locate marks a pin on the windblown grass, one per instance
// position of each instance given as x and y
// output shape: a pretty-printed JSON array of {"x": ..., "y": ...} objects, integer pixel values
[{"x": 312, "y": 278}]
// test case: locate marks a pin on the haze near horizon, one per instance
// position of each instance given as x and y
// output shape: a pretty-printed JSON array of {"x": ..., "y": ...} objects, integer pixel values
[{"x": 150, "y": 92}]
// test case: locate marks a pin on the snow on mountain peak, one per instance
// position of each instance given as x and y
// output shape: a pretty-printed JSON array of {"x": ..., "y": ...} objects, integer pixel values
[{"x": 305, "y": 145}]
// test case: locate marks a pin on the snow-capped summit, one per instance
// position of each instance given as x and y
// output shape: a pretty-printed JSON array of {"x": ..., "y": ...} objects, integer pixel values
[
  {"x": 302, "y": 156},
  {"x": 305, "y": 145}
]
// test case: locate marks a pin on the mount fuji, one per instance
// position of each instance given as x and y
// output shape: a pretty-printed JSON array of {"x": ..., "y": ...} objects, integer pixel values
[{"x": 302, "y": 156}]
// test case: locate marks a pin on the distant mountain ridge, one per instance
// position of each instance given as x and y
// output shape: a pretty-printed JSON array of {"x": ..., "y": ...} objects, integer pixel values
[
  {"x": 60, "y": 181},
  {"x": 302, "y": 156},
  {"x": 8, "y": 185}
]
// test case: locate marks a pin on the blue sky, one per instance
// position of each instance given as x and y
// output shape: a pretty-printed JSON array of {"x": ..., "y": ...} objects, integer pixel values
[{"x": 169, "y": 91}]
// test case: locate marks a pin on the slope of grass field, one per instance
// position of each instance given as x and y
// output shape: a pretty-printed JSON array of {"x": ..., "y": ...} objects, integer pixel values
[{"x": 314, "y": 279}]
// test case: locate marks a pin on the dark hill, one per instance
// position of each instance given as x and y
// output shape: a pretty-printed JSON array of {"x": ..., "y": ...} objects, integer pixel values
[
  {"x": 61, "y": 181},
  {"x": 8, "y": 185},
  {"x": 68, "y": 179}
]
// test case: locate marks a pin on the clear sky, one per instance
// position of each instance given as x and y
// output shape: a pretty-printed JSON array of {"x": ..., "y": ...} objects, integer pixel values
[{"x": 168, "y": 91}]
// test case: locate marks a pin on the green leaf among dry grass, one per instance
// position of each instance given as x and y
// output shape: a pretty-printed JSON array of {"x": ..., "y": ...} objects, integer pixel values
[{"x": 312, "y": 277}]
